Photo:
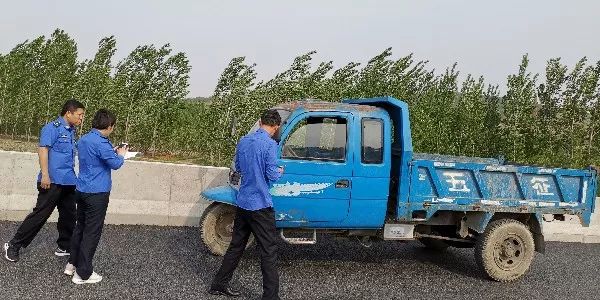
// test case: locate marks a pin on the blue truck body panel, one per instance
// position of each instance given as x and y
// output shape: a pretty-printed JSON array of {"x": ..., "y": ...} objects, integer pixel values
[
  {"x": 446, "y": 185},
  {"x": 348, "y": 193}
]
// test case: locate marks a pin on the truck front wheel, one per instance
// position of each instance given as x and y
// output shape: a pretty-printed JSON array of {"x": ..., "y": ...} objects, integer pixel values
[
  {"x": 505, "y": 250},
  {"x": 216, "y": 228}
]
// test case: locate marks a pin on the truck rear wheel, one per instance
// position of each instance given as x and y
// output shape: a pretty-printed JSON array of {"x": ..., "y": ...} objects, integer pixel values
[
  {"x": 505, "y": 250},
  {"x": 216, "y": 228}
]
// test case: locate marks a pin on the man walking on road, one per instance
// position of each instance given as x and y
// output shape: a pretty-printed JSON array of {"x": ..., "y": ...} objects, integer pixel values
[
  {"x": 56, "y": 183},
  {"x": 256, "y": 161}
]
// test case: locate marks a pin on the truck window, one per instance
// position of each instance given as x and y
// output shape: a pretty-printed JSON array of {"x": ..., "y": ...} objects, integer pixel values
[
  {"x": 372, "y": 141},
  {"x": 317, "y": 138}
]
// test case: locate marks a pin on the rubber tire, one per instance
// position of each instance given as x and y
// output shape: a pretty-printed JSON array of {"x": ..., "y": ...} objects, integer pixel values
[
  {"x": 434, "y": 244},
  {"x": 214, "y": 242},
  {"x": 496, "y": 232}
]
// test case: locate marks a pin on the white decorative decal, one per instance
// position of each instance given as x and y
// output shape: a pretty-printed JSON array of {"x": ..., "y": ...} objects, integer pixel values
[
  {"x": 443, "y": 200},
  {"x": 281, "y": 217},
  {"x": 530, "y": 203},
  {"x": 296, "y": 189},
  {"x": 540, "y": 185},
  {"x": 584, "y": 194},
  {"x": 496, "y": 168},
  {"x": 491, "y": 202},
  {"x": 456, "y": 179},
  {"x": 444, "y": 164}
]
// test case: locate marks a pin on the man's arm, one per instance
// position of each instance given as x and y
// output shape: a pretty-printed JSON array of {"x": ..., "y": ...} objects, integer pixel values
[
  {"x": 272, "y": 171},
  {"x": 43, "y": 159},
  {"x": 48, "y": 136},
  {"x": 110, "y": 157}
]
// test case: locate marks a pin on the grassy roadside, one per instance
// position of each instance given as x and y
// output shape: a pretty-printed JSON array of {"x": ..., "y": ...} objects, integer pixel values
[
  {"x": 23, "y": 145},
  {"x": 18, "y": 144}
]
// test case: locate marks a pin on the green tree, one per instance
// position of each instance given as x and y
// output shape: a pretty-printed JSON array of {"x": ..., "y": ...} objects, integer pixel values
[
  {"x": 573, "y": 115},
  {"x": 550, "y": 95},
  {"x": 230, "y": 106},
  {"x": 132, "y": 86},
  {"x": 518, "y": 119},
  {"x": 373, "y": 78},
  {"x": 470, "y": 117},
  {"x": 4, "y": 64},
  {"x": 593, "y": 141},
  {"x": 16, "y": 78},
  {"x": 94, "y": 84},
  {"x": 171, "y": 84},
  {"x": 492, "y": 136},
  {"x": 58, "y": 72}
]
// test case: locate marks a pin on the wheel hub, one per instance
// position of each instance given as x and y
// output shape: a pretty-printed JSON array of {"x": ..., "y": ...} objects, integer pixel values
[
  {"x": 225, "y": 226},
  {"x": 509, "y": 253}
]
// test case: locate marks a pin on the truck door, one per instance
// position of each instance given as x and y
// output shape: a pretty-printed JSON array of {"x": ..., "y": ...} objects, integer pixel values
[
  {"x": 316, "y": 183},
  {"x": 372, "y": 163}
]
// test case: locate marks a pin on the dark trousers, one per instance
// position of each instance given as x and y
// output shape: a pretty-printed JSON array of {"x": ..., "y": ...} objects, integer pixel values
[
  {"x": 91, "y": 211},
  {"x": 261, "y": 223},
  {"x": 61, "y": 196}
]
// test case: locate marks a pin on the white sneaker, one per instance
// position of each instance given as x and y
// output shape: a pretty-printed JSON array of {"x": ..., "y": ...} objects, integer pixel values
[
  {"x": 94, "y": 278},
  {"x": 69, "y": 269},
  {"x": 61, "y": 252}
]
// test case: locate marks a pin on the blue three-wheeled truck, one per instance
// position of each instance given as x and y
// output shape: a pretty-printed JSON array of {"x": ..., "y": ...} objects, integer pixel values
[{"x": 350, "y": 170}]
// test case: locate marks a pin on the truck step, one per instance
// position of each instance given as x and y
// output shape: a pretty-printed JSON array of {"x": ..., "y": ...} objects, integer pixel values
[{"x": 300, "y": 240}]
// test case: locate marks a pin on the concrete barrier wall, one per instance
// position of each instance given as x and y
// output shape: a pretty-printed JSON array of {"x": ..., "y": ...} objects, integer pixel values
[
  {"x": 153, "y": 193},
  {"x": 143, "y": 192}
]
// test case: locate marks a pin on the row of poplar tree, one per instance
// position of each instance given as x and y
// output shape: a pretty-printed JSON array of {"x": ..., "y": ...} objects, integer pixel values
[
  {"x": 550, "y": 119},
  {"x": 144, "y": 89}
]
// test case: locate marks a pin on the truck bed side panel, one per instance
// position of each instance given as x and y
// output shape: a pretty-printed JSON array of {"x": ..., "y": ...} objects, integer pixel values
[{"x": 463, "y": 186}]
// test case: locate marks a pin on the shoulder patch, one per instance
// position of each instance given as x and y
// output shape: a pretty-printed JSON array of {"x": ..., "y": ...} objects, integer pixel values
[{"x": 56, "y": 123}]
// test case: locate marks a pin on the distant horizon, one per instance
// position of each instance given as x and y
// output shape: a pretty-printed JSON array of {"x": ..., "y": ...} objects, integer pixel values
[{"x": 484, "y": 39}]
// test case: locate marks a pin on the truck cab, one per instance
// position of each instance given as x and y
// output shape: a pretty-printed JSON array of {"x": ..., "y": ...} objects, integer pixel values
[{"x": 337, "y": 166}]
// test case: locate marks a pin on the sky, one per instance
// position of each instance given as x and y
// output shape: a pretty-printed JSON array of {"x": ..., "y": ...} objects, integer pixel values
[{"x": 485, "y": 38}]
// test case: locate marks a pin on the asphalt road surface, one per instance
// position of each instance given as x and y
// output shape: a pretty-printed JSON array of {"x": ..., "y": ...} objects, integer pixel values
[{"x": 148, "y": 262}]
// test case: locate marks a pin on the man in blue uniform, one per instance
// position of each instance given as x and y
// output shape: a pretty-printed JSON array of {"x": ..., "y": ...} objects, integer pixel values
[
  {"x": 56, "y": 183},
  {"x": 97, "y": 158},
  {"x": 256, "y": 161}
]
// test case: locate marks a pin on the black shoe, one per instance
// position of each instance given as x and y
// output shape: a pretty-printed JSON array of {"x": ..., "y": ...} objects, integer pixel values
[
  {"x": 225, "y": 292},
  {"x": 61, "y": 252},
  {"x": 11, "y": 253}
]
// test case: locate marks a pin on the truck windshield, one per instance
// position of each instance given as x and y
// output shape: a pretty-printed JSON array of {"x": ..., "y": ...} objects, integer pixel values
[{"x": 317, "y": 138}]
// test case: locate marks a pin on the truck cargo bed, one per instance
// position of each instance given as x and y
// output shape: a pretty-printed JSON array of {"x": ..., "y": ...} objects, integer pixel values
[{"x": 455, "y": 184}]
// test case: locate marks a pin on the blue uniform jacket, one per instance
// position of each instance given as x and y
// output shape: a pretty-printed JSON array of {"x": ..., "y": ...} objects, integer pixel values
[
  {"x": 96, "y": 160},
  {"x": 256, "y": 161},
  {"x": 59, "y": 137}
]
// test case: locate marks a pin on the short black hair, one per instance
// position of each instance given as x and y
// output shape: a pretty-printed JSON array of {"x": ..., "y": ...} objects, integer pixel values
[
  {"x": 270, "y": 117},
  {"x": 71, "y": 105},
  {"x": 103, "y": 119}
]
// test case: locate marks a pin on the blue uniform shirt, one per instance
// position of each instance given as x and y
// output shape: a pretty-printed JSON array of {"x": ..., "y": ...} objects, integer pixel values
[
  {"x": 59, "y": 137},
  {"x": 96, "y": 160},
  {"x": 256, "y": 160}
]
